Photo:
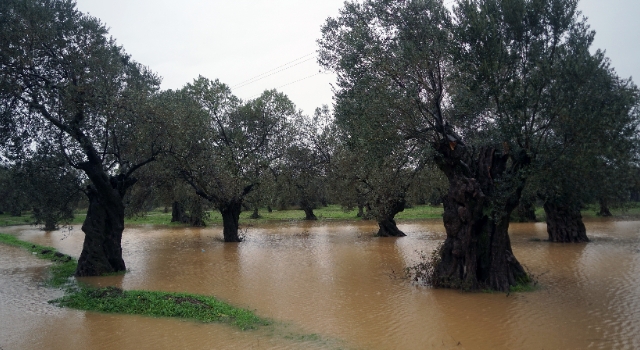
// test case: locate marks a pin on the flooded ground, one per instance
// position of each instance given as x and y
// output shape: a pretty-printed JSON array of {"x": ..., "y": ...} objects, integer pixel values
[{"x": 334, "y": 285}]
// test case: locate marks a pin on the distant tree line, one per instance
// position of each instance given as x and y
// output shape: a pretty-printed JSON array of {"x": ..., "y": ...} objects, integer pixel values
[{"x": 490, "y": 109}]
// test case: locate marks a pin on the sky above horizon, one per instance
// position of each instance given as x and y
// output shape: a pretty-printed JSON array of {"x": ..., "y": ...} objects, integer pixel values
[{"x": 257, "y": 45}]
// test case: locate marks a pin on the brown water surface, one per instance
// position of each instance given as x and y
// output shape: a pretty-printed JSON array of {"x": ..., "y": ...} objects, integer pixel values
[{"x": 337, "y": 281}]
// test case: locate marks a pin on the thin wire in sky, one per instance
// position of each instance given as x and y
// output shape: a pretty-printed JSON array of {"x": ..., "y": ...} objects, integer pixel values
[
  {"x": 289, "y": 83},
  {"x": 276, "y": 70}
]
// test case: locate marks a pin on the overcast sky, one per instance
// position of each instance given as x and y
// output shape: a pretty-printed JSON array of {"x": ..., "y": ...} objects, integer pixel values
[{"x": 253, "y": 45}]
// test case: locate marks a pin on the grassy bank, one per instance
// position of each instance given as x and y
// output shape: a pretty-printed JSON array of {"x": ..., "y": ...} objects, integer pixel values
[
  {"x": 160, "y": 304},
  {"x": 113, "y": 300},
  {"x": 59, "y": 273}
]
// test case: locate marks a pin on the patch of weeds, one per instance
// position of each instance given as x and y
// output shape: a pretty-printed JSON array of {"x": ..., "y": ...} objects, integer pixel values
[
  {"x": 424, "y": 271},
  {"x": 529, "y": 283},
  {"x": 64, "y": 265},
  {"x": 159, "y": 304}
]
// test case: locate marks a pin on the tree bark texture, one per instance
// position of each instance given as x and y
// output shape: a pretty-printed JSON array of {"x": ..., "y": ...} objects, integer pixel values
[
  {"x": 103, "y": 227},
  {"x": 177, "y": 212},
  {"x": 230, "y": 217},
  {"x": 604, "y": 208},
  {"x": 386, "y": 218},
  {"x": 308, "y": 207},
  {"x": 564, "y": 223},
  {"x": 482, "y": 194},
  {"x": 308, "y": 213},
  {"x": 388, "y": 228}
]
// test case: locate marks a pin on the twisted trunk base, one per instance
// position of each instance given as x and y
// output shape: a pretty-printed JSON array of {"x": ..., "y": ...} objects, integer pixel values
[
  {"x": 230, "y": 217},
  {"x": 477, "y": 251},
  {"x": 308, "y": 214},
  {"x": 604, "y": 209},
  {"x": 388, "y": 228},
  {"x": 102, "y": 248},
  {"x": 564, "y": 223}
]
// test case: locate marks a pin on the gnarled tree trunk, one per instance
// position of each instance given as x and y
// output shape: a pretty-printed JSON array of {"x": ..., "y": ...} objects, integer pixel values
[
  {"x": 604, "y": 208},
  {"x": 388, "y": 228},
  {"x": 50, "y": 224},
  {"x": 482, "y": 193},
  {"x": 103, "y": 227},
  {"x": 308, "y": 207},
  {"x": 177, "y": 212},
  {"x": 386, "y": 215},
  {"x": 564, "y": 223},
  {"x": 308, "y": 213},
  {"x": 256, "y": 213},
  {"x": 230, "y": 218}
]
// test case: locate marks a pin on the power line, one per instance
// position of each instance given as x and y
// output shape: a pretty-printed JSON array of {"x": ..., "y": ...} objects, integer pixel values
[
  {"x": 275, "y": 70},
  {"x": 289, "y": 83}
]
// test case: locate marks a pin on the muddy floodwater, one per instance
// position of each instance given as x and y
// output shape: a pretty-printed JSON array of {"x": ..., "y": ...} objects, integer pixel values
[{"x": 334, "y": 285}]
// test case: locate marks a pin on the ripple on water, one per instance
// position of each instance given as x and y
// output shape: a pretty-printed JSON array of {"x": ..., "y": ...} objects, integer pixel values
[{"x": 339, "y": 281}]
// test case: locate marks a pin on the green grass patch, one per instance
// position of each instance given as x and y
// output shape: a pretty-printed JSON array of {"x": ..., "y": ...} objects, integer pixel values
[
  {"x": 27, "y": 219},
  {"x": 521, "y": 288},
  {"x": 628, "y": 210},
  {"x": 8, "y": 220},
  {"x": 114, "y": 300},
  {"x": 330, "y": 213},
  {"x": 64, "y": 265},
  {"x": 419, "y": 212},
  {"x": 160, "y": 304}
]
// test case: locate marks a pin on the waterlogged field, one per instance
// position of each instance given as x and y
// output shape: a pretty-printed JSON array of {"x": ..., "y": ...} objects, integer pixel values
[{"x": 331, "y": 285}]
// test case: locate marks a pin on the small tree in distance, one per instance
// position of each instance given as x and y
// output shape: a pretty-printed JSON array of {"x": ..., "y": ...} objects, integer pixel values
[{"x": 226, "y": 144}]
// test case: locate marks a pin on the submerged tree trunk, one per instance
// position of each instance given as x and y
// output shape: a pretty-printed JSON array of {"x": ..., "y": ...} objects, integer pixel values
[
  {"x": 307, "y": 207},
  {"x": 177, "y": 212},
  {"x": 255, "y": 214},
  {"x": 103, "y": 227},
  {"x": 388, "y": 228},
  {"x": 386, "y": 213},
  {"x": 564, "y": 223},
  {"x": 482, "y": 194},
  {"x": 604, "y": 208},
  {"x": 308, "y": 213},
  {"x": 230, "y": 217},
  {"x": 197, "y": 214},
  {"x": 50, "y": 224}
]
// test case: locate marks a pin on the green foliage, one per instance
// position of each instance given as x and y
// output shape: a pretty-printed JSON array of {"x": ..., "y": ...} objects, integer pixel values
[
  {"x": 63, "y": 268},
  {"x": 160, "y": 304}
]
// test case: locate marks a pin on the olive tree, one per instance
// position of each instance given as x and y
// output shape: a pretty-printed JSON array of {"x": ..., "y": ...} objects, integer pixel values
[
  {"x": 52, "y": 187},
  {"x": 480, "y": 87},
  {"x": 599, "y": 143},
  {"x": 376, "y": 159},
  {"x": 227, "y": 144},
  {"x": 67, "y": 86},
  {"x": 302, "y": 172}
]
